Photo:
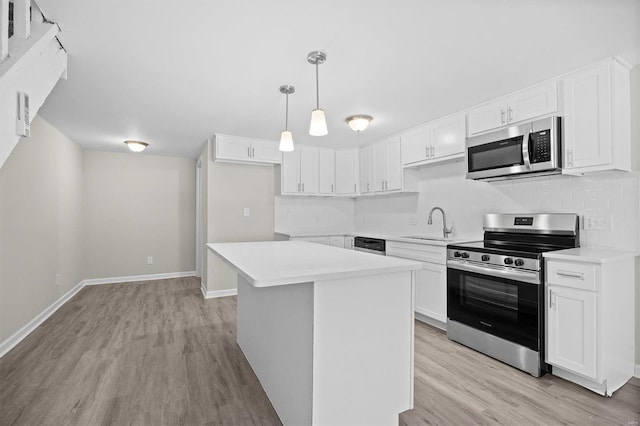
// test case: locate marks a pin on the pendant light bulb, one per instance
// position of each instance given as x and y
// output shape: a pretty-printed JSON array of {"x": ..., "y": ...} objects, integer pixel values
[
  {"x": 318, "y": 125},
  {"x": 286, "y": 138}
]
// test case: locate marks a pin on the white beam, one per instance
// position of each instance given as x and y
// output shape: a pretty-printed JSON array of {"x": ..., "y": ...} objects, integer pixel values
[
  {"x": 4, "y": 29},
  {"x": 21, "y": 18}
]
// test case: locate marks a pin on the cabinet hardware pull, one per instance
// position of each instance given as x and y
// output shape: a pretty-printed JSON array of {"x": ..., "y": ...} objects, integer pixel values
[
  {"x": 426, "y": 148},
  {"x": 510, "y": 114},
  {"x": 354, "y": 188},
  {"x": 501, "y": 116},
  {"x": 302, "y": 187},
  {"x": 253, "y": 153},
  {"x": 249, "y": 152},
  {"x": 570, "y": 158},
  {"x": 368, "y": 186},
  {"x": 298, "y": 186},
  {"x": 568, "y": 274},
  {"x": 331, "y": 187},
  {"x": 433, "y": 152},
  {"x": 550, "y": 298}
]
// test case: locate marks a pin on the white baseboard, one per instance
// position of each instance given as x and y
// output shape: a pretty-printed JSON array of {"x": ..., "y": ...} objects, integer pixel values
[
  {"x": 134, "y": 278},
  {"x": 637, "y": 373},
  {"x": 218, "y": 293},
  {"x": 19, "y": 335}
]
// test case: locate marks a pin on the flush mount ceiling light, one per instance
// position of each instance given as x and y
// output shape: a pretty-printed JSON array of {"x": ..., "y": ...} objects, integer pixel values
[
  {"x": 318, "y": 126},
  {"x": 286, "y": 138},
  {"x": 136, "y": 146},
  {"x": 358, "y": 122}
]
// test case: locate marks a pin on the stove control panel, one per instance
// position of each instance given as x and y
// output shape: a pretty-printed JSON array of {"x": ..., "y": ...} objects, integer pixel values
[{"x": 505, "y": 261}]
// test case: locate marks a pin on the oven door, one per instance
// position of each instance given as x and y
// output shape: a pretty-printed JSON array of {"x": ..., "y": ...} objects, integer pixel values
[{"x": 500, "y": 302}]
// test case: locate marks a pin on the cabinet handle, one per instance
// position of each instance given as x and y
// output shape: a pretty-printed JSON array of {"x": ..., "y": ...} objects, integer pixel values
[
  {"x": 426, "y": 149},
  {"x": 298, "y": 186},
  {"x": 569, "y": 158},
  {"x": 550, "y": 298},
  {"x": 249, "y": 152},
  {"x": 433, "y": 152},
  {"x": 568, "y": 274},
  {"x": 501, "y": 116},
  {"x": 354, "y": 188},
  {"x": 253, "y": 153},
  {"x": 303, "y": 187},
  {"x": 510, "y": 114},
  {"x": 368, "y": 189},
  {"x": 331, "y": 187}
]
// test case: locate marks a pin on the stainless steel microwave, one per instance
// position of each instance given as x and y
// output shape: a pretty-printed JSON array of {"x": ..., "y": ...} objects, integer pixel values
[{"x": 529, "y": 149}]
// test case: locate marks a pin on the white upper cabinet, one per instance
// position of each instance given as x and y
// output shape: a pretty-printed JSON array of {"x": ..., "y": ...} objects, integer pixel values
[
  {"x": 299, "y": 171},
  {"x": 387, "y": 166},
  {"x": 237, "y": 149},
  {"x": 366, "y": 184},
  {"x": 597, "y": 119},
  {"x": 520, "y": 106},
  {"x": 448, "y": 137},
  {"x": 416, "y": 145},
  {"x": 347, "y": 172},
  {"x": 326, "y": 171}
]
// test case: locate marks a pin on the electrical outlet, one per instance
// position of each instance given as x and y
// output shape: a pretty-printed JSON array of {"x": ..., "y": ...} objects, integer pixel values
[
  {"x": 413, "y": 220},
  {"x": 597, "y": 223},
  {"x": 149, "y": 260},
  {"x": 247, "y": 212}
]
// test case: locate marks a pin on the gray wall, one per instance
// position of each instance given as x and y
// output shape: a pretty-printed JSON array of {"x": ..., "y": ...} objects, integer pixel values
[
  {"x": 137, "y": 206},
  {"x": 40, "y": 225}
]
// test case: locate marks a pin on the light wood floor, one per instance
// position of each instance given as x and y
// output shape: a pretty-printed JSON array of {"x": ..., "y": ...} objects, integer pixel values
[{"x": 157, "y": 353}]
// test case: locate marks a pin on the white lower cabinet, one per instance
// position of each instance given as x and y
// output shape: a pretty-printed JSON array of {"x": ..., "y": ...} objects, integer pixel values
[
  {"x": 590, "y": 318},
  {"x": 430, "y": 281},
  {"x": 329, "y": 240}
]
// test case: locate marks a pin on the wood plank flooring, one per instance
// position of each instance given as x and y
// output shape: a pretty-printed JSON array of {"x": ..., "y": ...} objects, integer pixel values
[{"x": 157, "y": 353}]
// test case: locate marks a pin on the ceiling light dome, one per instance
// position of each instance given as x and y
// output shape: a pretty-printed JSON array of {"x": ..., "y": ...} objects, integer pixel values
[
  {"x": 358, "y": 122},
  {"x": 136, "y": 146}
]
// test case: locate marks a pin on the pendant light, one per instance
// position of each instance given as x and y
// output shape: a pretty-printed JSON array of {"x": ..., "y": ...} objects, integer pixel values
[
  {"x": 318, "y": 126},
  {"x": 286, "y": 138}
]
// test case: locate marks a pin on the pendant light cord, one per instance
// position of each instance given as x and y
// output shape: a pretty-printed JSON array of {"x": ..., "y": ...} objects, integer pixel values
[
  {"x": 286, "y": 116},
  {"x": 317, "y": 88}
]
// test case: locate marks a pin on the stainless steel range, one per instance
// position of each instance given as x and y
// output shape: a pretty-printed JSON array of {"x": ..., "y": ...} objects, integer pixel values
[{"x": 495, "y": 287}]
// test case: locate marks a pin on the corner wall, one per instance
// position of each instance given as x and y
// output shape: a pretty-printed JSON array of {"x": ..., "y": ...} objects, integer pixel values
[{"x": 40, "y": 225}]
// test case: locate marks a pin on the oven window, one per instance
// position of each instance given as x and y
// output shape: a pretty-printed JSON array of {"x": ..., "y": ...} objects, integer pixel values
[
  {"x": 495, "y": 155},
  {"x": 494, "y": 297}
]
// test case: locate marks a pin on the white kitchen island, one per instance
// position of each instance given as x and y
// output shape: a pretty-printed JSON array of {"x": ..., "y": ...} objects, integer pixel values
[{"x": 328, "y": 331}]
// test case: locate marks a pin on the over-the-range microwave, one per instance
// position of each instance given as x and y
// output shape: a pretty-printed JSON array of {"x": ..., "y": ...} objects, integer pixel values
[{"x": 529, "y": 149}]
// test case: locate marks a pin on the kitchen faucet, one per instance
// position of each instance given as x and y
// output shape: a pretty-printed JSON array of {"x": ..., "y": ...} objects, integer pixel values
[{"x": 445, "y": 231}]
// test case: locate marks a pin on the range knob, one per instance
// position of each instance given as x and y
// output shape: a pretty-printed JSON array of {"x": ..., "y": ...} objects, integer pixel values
[
  {"x": 465, "y": 255},
  {"x": 456, "y": 254},
  {"x": 508, "y": 261},
  {"x": 519, "y": 262},
  {"x": 485, "y": 257}
]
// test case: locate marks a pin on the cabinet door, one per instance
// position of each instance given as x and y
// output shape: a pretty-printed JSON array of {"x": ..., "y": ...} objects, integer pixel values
[
  {"x": 365, "y": 169},
  {"x": 347, "y": 171},
  {"x": 265, "y": 151},
  {"x": 488, "y": 116},
  {"x": 232, "y": 148},
  {"x": 431, "y": 291},
  {"x": 394, "y": 165},
  {"x": 290, "y": 172},
  {"x": 448, "y": 136},
  {"x": 308, "y": 169},
  {"x": 379, "y": 167},
  {"x": 587, "y": 118},
  {"x": 326, "y": 171},
  {"x": 571, "y": 330},
  {"x": 533, "y": 102},
  {"x": 416, "y": 145}
]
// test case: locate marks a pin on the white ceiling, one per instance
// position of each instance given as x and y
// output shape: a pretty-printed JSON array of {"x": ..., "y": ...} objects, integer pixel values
[{"x": 172, "y": 72}]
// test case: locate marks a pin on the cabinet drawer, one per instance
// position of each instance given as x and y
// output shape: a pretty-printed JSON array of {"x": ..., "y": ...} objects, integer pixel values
[
  {"x": 571, "y": 274},
  {"x": 422, "y": 252}
]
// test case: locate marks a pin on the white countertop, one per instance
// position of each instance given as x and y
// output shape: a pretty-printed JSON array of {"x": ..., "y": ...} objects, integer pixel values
[
  {"x": 272, "y": 263},
  {"x": 592, "y": 255},
  {"x": 436, "y": 241}
]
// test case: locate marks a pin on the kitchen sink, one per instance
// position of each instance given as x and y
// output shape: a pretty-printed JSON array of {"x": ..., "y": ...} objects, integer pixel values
[{"x": 421, "y": 237}]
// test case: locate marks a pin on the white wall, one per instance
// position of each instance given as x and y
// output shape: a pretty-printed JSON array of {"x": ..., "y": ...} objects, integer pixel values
[
  {"x": 312, "y": 215},
  {"x": 40, "y": 225},
  {"x": 137, "y": 206}
]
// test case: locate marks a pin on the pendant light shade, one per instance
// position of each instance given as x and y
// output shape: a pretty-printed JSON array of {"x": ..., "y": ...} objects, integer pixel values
[
  {"x": 286, "y": 138},
  {"x": 318, "y": 126}
]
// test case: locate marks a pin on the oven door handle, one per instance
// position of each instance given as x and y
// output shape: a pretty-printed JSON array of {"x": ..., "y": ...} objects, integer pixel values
[{"x": 532, "y": 277}]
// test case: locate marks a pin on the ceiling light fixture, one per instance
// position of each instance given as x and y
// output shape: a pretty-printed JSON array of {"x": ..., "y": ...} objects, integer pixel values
[
  {"x": 286, "y": 138},
  {"x": 318, "y": 126},
  {"x": 136, "y": 146},
  {"x": 358, "y": 122}
]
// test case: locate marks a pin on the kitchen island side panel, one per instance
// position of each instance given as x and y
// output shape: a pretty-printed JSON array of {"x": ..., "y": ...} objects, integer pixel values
[
  {"x": 363, "y": 349},
  {"x": 275, "y": 332}
]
